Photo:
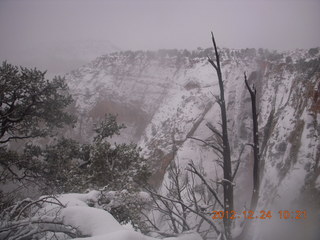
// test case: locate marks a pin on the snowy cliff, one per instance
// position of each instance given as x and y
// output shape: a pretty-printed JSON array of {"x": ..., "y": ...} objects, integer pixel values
[{"x": 168, "y": 96}]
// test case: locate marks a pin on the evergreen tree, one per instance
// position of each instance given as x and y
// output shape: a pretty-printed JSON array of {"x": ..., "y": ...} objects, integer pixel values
[{"x": 30, "y": 105}]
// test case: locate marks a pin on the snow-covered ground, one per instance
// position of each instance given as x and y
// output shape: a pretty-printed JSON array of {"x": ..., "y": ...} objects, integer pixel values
[{"x": 95, "y": 223}]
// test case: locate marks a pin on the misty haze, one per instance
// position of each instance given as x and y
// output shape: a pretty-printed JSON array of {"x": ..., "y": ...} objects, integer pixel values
[{"x": 149, "y": 119}]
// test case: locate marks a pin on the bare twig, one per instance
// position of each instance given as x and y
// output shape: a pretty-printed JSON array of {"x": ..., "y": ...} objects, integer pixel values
[{"x": 194, "y": 170}]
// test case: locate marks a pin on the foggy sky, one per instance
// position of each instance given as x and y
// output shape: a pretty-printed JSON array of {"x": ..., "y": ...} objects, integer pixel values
[{"x": 40, "y": 32}]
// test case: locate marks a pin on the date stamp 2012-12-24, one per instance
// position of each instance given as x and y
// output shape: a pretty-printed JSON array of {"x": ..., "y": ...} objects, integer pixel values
[{"x": 282, "y": 214}]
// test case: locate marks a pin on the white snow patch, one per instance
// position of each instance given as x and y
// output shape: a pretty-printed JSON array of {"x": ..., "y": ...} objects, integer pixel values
[
  {"x": 90, "y": 221},
  {"x": 96, "y": 223}
]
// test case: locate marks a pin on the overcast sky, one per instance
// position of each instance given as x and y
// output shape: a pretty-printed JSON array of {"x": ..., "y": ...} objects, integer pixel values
[{"x": 39, "y": 32}]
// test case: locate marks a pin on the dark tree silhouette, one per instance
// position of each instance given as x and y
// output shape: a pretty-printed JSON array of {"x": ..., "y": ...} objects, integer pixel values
[
  {"x": 30, "y": 105},
  {"x": 226, "y": 153},
  {"x": 256, "y": 153},
  {"x": 256, "y": 158}
]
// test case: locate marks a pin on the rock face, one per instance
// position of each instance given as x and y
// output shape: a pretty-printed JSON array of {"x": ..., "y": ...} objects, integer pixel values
[{"x": 168, "y": 96}]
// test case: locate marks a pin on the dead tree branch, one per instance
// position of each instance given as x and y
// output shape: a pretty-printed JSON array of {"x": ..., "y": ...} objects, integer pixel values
[
  {"x": 209, "y": 221},
  {"x": 193, "y": 169}
]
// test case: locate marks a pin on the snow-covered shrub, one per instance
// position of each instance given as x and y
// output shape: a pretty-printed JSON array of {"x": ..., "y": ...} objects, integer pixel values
[
  {"x": 65, "y": 165},
  {"x": 68, "y": 216},
  {"x": 125, "y": 206},
  {"x": 119, "y": 166}
]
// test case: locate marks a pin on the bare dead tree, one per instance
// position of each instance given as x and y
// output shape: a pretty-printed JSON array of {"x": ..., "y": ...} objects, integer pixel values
[
  {"x": 182, "y": 202},
  {"x": 226, "y": 152},
  {"x": 256, "y": 157},
  {"x": 256, "y": 153},
  {"x": 221, "y": 146},
  {"x": 204, "y": 216}
]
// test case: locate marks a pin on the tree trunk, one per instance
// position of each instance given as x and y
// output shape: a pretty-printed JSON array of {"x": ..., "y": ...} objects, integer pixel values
[
  {"x": 227, "y": 168},
  {"x": 256, "y": 160},
  {"x": 256, "y": 154}
]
